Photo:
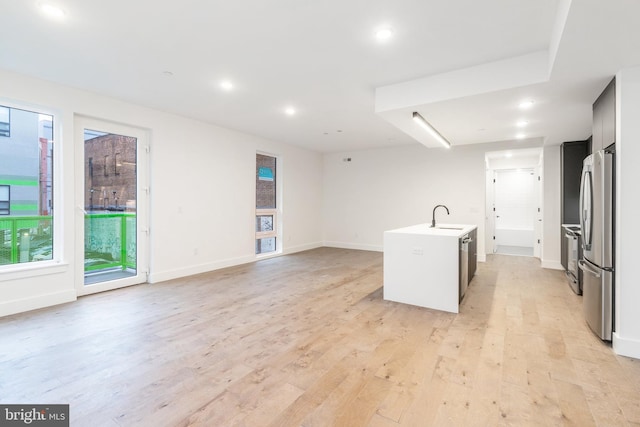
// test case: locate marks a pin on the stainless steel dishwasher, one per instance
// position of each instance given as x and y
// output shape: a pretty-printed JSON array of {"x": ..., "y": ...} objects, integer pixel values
[{"x": 464, "y": 264}]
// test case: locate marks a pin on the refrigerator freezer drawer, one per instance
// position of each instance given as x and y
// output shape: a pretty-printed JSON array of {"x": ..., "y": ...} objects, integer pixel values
[{"x": 597, "y": 299}]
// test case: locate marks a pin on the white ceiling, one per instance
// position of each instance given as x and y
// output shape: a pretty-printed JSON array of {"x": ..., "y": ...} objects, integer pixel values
[{"x": 463, "y": 64}]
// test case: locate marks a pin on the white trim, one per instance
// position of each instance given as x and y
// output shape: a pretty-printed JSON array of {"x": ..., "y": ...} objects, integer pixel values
[
  {"x": 58, "y": 212},
  {"x": 201, "y": 268},
  {"x": 8, "y": 308},
  {"x": 358, "y": 246},
  {"x": 231, "y": 262},
  {"x": 275, "y": 222},
  {"x": 301, "y": 248},
  {"x": 626, "y": 347},
  {"x": 143, "y": 239},
  {"x": 553, "y": 265},
  {"x": 32, "y": 269},
  {"x": 276, "y": 213}
]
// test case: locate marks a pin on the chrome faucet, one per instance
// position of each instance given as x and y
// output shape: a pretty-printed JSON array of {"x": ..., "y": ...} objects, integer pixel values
[{"x": 433, "y": 220}]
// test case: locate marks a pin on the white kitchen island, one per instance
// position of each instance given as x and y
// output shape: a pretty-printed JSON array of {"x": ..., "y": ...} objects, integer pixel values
[{"x": 422, "y": 265}]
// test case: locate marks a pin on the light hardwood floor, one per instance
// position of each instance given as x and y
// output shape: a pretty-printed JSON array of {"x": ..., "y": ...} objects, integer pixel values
[{"x": 307, "y": 340}]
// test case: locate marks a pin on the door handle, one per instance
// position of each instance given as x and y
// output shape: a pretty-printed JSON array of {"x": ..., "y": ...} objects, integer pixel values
[{"x": 584, "y": 267}]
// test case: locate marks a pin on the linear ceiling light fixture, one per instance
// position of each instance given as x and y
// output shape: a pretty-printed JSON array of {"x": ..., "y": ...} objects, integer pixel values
[{"x": 427, "y": 126}]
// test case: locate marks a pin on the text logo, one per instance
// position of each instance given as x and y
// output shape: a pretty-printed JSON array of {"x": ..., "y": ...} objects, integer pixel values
[{"x": 34, "y": 415}]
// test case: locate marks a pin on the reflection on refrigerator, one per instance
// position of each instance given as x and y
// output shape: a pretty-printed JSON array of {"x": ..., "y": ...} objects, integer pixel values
[{"x": 597, "y": 222}]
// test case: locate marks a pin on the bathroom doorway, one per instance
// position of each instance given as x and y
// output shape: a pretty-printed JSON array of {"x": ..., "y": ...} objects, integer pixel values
[{"x": 513, "y": 209}]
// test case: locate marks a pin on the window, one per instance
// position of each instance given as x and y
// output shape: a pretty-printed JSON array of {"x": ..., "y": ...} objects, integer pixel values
[
  {"x": 5, "y": 121},
  {"x": 266, "y": 209},
  {"x": 106, "y": 162},
  {"x": 26, "y": 186},
  {"x": 5, "y": 200}
]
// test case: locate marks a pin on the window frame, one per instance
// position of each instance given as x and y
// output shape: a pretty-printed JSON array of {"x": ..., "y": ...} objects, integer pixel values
[
  {"x": 58, "y": 263},
  {"x": 8, "y": 122},
  {"x": 275, "y": 212},
  {"x": 7, "y": 201}
]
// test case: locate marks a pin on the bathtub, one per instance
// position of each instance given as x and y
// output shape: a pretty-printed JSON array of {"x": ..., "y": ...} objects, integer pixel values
[{"x": 514, "y": 237}]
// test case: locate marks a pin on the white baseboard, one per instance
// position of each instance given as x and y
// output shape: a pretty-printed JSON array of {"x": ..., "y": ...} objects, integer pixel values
[
  {"x": 8, "y": 308},
  {"x": 553, "y": 265},
  {"x": 163, "y": 276},
  {"x": 358, "y": 246},
  {"x": 626, "y": 347},
  {"x": 301, "y": 248}
]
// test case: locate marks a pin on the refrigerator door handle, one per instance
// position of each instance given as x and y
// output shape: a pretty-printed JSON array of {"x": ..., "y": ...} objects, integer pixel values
[
  {"x": 586, "y": 207},
  {"x": 585, "y": 267}
]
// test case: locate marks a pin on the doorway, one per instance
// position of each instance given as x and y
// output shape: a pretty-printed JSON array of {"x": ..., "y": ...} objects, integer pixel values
[
  {"x": 514, "y": 205},
  {"x": 113, "y": 197},
  {"x": 514, "y": 196}
]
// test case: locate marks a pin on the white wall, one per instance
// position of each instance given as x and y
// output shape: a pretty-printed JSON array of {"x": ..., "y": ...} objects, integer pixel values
[
  {"x": 550, "y": 256},
  {"x": 383, "y": 189},
  {"x": 202, "y": 192},
  {"x": 626, "y": 338},
  {"x": 212, "y": 198},
  {"x": 523, "y": 162}
]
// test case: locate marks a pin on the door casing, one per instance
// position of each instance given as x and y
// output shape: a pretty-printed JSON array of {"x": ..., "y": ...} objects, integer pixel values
[{"x": 142, "y": 203}]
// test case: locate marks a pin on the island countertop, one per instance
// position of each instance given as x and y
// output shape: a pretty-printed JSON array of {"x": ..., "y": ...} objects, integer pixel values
[
  {"x": 422, "y": 265},
  {"x": 453, "y": 230}
]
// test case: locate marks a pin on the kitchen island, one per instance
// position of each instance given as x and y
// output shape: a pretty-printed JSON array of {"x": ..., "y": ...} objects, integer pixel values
[{"x": 424, "y": 265}]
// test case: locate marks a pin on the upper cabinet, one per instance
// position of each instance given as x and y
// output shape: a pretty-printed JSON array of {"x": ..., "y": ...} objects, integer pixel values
[{"x": 604, "y": 118}]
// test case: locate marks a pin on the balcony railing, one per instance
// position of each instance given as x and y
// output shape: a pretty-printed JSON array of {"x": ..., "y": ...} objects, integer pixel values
[
  {"x": 110, "y": 240},
  {"x": 25, "y": 239}
]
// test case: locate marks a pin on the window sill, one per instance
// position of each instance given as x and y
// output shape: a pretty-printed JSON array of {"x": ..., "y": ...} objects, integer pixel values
[
  {"x": 32, "y": 269},
  {"x": 268, "y": 255}
]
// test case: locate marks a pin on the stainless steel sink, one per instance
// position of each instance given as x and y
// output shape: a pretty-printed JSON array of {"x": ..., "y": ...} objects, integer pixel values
[{"x": 448, "y": 228}]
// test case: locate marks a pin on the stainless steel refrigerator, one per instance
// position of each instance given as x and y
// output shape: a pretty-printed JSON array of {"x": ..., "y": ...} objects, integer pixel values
[{"x": 597, "y": 221}]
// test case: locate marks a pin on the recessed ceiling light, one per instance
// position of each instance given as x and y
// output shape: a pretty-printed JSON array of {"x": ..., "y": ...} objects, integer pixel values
[
  {"x": 522, "y": 123},
  {"x": 526, "y": 104},
  {"x": 226, "y": 85},
  {"x": 508, "y": 155},
  {"x": 520, "y": 136},
  {"x": 52, "y": 10},
  {"x": 384, "y": 34},
  {"x": 290, "y": 111}
]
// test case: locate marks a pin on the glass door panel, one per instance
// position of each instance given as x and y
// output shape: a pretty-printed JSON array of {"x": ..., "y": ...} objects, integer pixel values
[
  {"x": 112, "y": 224},
  {"x": 110, "y": 228}
]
